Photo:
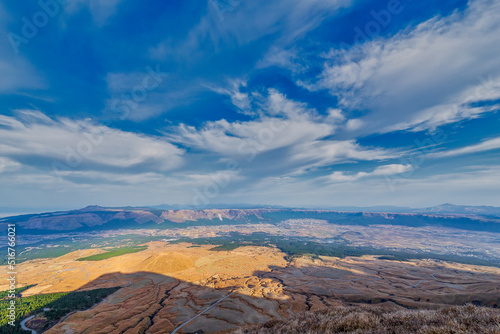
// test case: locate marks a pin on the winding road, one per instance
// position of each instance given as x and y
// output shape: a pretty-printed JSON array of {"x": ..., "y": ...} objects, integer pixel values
[{"x": 23, "y": 325}]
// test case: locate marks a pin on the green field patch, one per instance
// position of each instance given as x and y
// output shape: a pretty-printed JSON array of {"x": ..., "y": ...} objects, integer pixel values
[
  {"x": 226, "y": 247},
  {"x": 17, "y": 291},
  {"x": 113, "y": 252},
  {"x": 295, "y": 247}
]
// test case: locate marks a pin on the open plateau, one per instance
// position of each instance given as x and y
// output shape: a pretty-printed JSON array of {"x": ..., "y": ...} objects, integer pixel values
[{"x": 157, "y": 270}]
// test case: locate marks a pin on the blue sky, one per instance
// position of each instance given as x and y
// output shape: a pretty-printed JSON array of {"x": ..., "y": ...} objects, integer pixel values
[{"x": 288, "y": 102}]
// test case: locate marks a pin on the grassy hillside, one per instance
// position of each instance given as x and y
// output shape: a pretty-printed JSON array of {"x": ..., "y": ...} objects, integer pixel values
[{"x": 371, "y": 319}]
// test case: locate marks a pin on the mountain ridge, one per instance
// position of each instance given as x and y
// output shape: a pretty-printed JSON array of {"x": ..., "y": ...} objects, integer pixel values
[{"x": 99, "y": 218}]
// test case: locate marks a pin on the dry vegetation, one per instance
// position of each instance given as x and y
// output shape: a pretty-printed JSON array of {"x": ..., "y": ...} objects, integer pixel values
[
  {"x": 372, "y": 319},
  {"x": 167, "y": 284}
]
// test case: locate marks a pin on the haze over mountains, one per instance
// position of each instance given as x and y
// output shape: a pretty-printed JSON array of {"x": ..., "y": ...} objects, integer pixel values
[
  {"x": 443, "y": 208},
  {"x": 480, "y": 218}
]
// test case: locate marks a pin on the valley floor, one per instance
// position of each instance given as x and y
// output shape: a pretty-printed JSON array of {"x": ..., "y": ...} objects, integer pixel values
[{"x": 169, "y": 285}]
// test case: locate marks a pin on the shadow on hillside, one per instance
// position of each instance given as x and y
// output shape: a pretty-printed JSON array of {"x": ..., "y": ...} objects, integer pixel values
[
  {"x": 155, "y": 303},
  {"x": 399, "y": 286}
]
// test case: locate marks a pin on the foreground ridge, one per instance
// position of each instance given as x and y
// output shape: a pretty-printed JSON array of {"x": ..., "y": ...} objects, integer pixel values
[{"x": 375, "y": 319}]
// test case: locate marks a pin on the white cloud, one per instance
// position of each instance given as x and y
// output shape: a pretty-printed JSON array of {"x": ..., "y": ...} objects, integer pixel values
[
  {"x": 354, "y": 124},
  {"x": 81, "y": 188},
  {"x": 222, "y": 178},
  {"x": 474, "y": 187},
  {"x": 80, "y": 142},
  {"x": 282, "y": 123},
  {"x": 487, "y": 145},
  {"x": 283, "y": 58},
  {"x": 8, "y": 165},
  {"x": 379, "y": 171},
  {"x": 335, "y": 115},
  {"x": 239, "y": 99},
  {"x": 243, "y": 22},
  {"x": 424, "y": 76},
  {"x": 297, "y": 135},
  {"x": 327, "y": 152},
  {"x": 478, "y": 187},
  {"x": 83, "y": 177}
]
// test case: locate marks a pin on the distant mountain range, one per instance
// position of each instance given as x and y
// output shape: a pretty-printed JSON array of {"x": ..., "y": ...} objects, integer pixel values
[
  {"x": 443, "y": 208},
  {"x": 91, "y": 218},
  {"x": 462, "y": 209}
]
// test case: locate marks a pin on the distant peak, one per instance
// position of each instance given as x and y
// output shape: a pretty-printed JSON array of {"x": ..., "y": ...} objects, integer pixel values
[
  {"x": 447, "y": 205},
  {"x": 92, "y": 207}
]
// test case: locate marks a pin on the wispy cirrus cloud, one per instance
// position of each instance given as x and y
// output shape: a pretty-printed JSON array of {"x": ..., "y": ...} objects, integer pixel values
[
  {"x": 139, "y": 96},
  {"x": 239, "y": 98},
  {"x": 228, "y": 92},
  {"x": 486, "y": 145},
  {"x": 423, "y": 77},
  {"x": 248, "y": 21},
  {"x": 32, "y": 138},
  {"x": 292, "y": 137},
  {"x": 330, "y": 152},
  {"x": 280, "y": 123}
]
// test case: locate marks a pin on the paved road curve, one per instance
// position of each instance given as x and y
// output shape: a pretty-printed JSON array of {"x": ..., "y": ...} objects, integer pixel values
[{"x": 23, "y": 325}]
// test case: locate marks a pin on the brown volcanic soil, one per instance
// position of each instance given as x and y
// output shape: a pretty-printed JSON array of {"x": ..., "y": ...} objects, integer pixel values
[{"x": 168, "y": 284}]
